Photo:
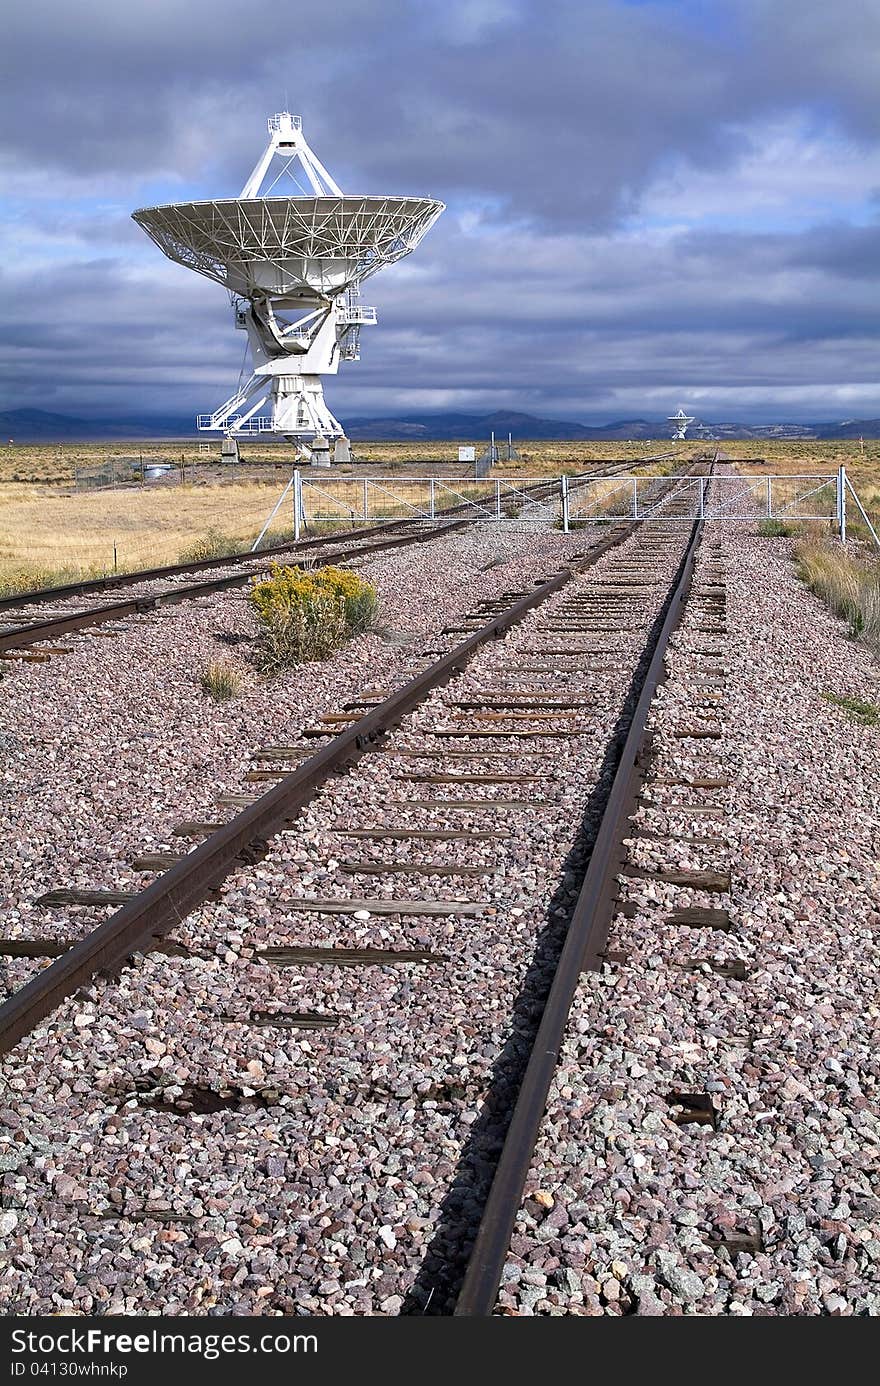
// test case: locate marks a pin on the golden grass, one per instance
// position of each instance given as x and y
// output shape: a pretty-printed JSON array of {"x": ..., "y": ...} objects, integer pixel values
[
  {"x": 818, "y": 458},
  {"x": 849, "y": 584},
  {"x": 44, "y": 530},
  {"x": 49, "y": 533},
  {"x": 221, "y": 680}
]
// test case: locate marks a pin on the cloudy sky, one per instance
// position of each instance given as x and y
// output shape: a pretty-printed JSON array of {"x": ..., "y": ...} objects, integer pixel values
[{"x": 651, "y": 203}]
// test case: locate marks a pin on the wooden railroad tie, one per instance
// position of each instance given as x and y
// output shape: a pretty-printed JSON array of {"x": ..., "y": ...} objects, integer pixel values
[
  {"x": 696, "y": 1108},
  {"x": 285, "y": 1020},
  {"x": 474, "y": 779},
  {"x": 478, "y": 754},
  {"x": 54, "y": 948},
  {"x": 429, "y": 908},
  {"x": 157, "y": 861},
  {"x": 715, "y": 882},
  {"x": 512, "y": 716},
  {"x": 523, "y": 702},
  {"x": 474, "y": 804},
  {"x": 475, "y": 733},
  {"x": 346, "y": 957},
  {"x": 422, "y": 834},
  {"x": 65, "y": 896},
  {"x": 721, "y": 783},
  {"x": 414, "y": 868},
  {"x": 735, "y": 970},
  {"x": 694, "y": 917},
  {"x": 282, "y": 753},
  {"x": 589, "y": 629}
]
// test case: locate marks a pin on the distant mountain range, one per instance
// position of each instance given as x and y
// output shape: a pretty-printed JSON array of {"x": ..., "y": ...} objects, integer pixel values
[{"x": 39, "y": 426}]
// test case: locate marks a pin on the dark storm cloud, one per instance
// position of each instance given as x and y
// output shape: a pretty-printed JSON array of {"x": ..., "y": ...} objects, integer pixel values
[
  {"x": 704, "y": 313},
  {"x": 547, "y": 127},
  {"x": 559, "y": 110}
]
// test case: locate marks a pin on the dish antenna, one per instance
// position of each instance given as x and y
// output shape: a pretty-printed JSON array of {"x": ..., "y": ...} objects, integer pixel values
[
  {"x": 681, "y": 422},
  {"x": 293, "y": 266}
]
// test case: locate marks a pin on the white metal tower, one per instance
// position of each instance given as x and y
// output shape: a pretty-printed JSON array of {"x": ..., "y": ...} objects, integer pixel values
[{"x": 293, "y": 266}]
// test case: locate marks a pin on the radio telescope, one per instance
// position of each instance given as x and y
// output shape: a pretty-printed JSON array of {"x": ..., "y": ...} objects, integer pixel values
[
  {"x": 681, "y": 422},
  {"x": 293, "y": 266}
]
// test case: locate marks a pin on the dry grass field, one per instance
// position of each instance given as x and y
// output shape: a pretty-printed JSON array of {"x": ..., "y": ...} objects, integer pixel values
[
  {"x": 57, "y": 464},
  {"x": 51, "y": 532}
]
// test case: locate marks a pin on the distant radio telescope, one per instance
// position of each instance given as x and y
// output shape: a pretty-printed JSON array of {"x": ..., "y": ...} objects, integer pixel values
[
  {"x": 681, "y": 422},
  {"x": 293, "y": 267}
]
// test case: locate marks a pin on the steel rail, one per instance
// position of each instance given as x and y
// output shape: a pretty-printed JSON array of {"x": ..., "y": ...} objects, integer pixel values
[
  {"x": 198, "y": 565},
  {"x": 38, "y": 631},
  {"x": 138, "y": 924},
  {"x": 103, "y": 584},
  {"x": 584, "y": 943}
]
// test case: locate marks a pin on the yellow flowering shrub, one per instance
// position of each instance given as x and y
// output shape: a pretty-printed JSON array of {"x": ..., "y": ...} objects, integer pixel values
[{"x": 304, "y": 615}]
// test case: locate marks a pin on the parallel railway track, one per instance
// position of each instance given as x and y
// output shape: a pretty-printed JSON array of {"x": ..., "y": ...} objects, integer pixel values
[
  {"x": 23, "y": 630},
  {"x": 475, "y": 740},
  {"x": 30, "y": 634}
]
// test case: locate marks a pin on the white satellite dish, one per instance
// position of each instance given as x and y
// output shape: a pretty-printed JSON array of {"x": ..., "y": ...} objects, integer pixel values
[
  {"x": 681, "y": 422},
  {"x": 293, "y": 267}
]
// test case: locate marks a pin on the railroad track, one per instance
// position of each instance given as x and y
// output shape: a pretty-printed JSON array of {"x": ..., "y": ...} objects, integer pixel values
[
  {"x": 16, "y": 639},
  {"x": 159, "y": 588},
  {"x": 461, "y": 764}
]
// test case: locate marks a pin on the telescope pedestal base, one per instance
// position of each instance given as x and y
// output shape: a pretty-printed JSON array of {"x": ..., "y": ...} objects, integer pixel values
[{"x": 298, "y": 408}]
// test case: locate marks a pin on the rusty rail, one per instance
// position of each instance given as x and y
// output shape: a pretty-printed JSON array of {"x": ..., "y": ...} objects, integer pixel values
[
  {"x": 140, "y": 923},
  {"x": 584, "y": 944},
  {"x": 37, "y": 631}
]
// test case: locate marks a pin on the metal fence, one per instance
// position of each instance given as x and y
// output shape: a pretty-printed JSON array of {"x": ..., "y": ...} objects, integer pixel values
[
  {"x": 729, "y": 497},
  {"x": 567, "y": 500},
  {"x": 136, "y": 469},
  {"x": 374, "y": 500}
]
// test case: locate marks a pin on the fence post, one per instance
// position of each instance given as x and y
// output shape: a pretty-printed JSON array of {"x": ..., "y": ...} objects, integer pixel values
[
  {"x": 565, "y": 514},
  {"x": 769, "y": 498},
  {"x": 432, "y": 499},
  {"x": 497, "y": 489},
  {"x": 365, "y": 499},
  {"x": 702, "y": 497},
  {"x": 297, "y": 503},
  {"x": 841, "y": 502},
  {"x": 635, "y": 498}
]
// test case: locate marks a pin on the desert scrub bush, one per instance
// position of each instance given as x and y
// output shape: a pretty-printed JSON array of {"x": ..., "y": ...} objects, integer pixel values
[
  {"x": 213, "y": 544},
  {"x": 775, "y": 529},
  {"x": 849, "y": 585},
  {"x": 304, "y": 615},
  {"x": 221, "y": 680}
]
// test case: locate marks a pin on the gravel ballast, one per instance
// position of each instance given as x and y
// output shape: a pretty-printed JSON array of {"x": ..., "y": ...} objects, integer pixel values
[
  {"x": 317, "y": 1176},
  {"x": 774, "y": 1210},
  {"x": 175, "y": 1145},
  {"x": 104, "y": 749}
]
